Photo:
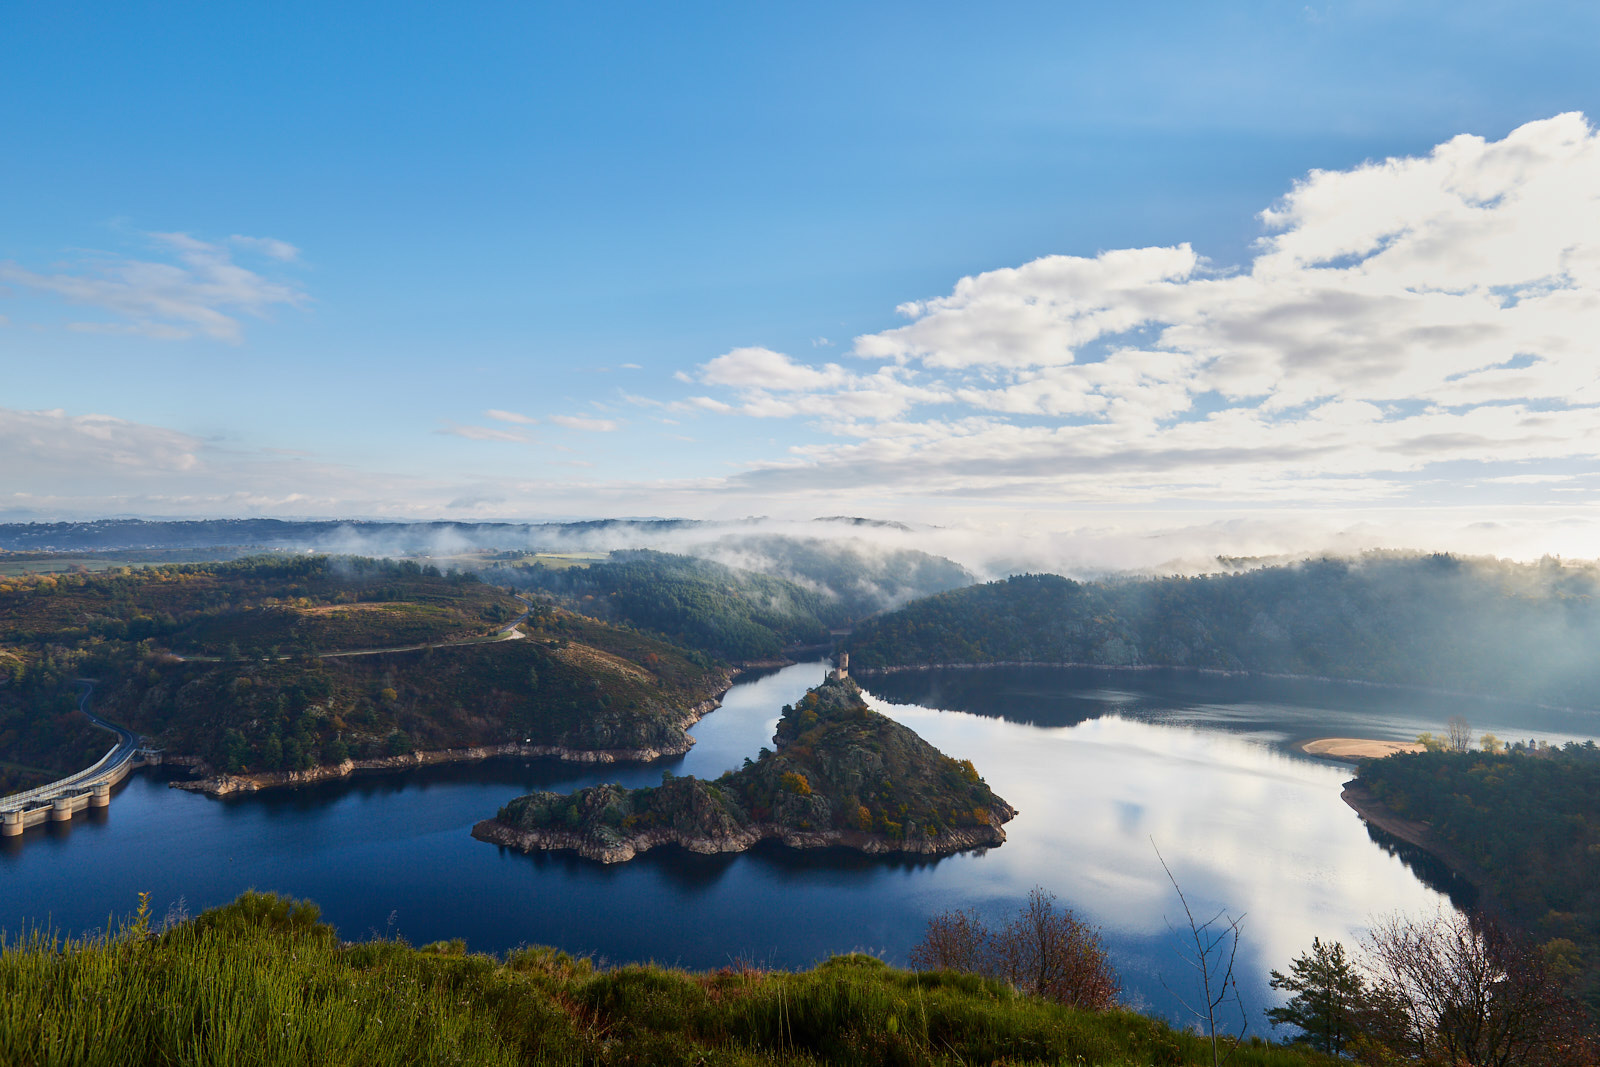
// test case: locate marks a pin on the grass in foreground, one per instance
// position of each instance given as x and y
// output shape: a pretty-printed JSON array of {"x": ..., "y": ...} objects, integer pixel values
[{"x": 261, "y": 981}]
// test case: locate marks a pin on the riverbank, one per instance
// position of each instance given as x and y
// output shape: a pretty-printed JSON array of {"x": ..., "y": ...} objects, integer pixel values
[
  {"x": 1419, "y": 833},
  {"x": 1211, "y": 672},
  {"x": 213, "y": 784}
]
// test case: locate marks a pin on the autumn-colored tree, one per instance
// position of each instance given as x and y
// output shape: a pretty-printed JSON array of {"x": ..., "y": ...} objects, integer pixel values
[
  {"x": 1471, "y": 993},
  {"x": 1044, "y": 951}
]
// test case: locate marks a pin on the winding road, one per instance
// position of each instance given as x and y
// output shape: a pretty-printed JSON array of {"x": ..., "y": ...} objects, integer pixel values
[{"x": 113, "y": 766}]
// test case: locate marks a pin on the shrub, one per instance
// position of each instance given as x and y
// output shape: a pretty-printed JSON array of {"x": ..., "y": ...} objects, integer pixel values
[{"x": 1043, "y": 951}]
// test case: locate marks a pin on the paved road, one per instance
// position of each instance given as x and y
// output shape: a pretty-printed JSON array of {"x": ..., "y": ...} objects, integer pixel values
[{"x": 508, "y": 632}]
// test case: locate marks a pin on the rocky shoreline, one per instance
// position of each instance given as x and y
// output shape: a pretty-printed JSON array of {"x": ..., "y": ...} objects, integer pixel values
[
  {"x": 221, "y": 785},
  {"x": 955, "y": 839},
  {"x": 841, "y": 775}
]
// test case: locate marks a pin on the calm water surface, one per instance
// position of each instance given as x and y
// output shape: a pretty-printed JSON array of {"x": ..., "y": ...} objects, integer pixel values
[{"x": 1100, "y": 764}]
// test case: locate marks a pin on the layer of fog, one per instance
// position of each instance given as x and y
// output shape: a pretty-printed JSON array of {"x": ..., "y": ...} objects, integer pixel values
[{"x": 1086, "y": 545}]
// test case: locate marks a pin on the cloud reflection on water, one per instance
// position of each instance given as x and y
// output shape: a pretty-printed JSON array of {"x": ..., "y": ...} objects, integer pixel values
[{"x": 1244, "y": 825}]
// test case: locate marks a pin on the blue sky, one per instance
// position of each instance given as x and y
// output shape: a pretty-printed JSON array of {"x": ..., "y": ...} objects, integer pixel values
[{"x": 529, "y": 261}]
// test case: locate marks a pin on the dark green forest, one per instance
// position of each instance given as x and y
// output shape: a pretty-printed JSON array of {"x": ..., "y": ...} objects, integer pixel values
[
  {"x": 1531, "y": 822},
  {"x": 733, "y": 614},
  {"x": 1525, "y": 630}
]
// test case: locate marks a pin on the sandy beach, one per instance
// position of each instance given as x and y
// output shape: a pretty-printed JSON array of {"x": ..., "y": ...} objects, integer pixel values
[{"x": 1355, "y": 747}]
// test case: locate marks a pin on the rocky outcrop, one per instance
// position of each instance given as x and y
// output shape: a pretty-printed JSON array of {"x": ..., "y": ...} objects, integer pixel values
[
  {"x": 842, "y": 775},
  {"x": 626, "y": 847}
]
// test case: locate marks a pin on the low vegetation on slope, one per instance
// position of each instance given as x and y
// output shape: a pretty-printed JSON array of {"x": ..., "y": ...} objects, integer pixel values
[
  {"x": 842, "y": 774},
  {"x": 1530, "y": 821},
  {"x": 229, "y": 663},
  {"x": 255, "y": 606},
  {"x": 572, "y": 683},
  {"x": 1527, "y": 630},
  {"x": 262, "y": 981}
]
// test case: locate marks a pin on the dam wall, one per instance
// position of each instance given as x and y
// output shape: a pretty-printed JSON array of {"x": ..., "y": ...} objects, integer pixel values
[{"x": 60, "y": 801}]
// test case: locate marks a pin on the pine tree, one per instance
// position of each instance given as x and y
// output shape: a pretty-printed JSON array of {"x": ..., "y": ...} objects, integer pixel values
[{"x": 1329, "y": 994}]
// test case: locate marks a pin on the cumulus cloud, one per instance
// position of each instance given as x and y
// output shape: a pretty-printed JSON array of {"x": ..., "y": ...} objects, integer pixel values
[
  {"x": 1397, "y": 316},
  {"x": 772, "y": 385},
  {"x": 197, "y": 291}
]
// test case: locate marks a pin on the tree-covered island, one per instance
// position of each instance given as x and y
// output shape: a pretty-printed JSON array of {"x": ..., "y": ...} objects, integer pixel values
[{"x": 842, "y": 774}]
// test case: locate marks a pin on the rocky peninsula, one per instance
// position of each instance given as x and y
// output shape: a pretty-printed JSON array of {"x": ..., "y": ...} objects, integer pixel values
[{"x": 841, "y": 774}]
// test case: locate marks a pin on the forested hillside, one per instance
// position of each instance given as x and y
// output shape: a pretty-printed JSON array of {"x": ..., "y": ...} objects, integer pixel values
[
  {"x": 1528, "y": 630},
  {"x": 733, "y": 614},
  {"x": 861, "y": 578},
  {"x": 234, "y": 664},
  {"x": 1531, "y": 821}
]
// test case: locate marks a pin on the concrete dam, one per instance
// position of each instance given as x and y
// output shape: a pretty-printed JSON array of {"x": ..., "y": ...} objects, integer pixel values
[{"x": 88, "y": 788}]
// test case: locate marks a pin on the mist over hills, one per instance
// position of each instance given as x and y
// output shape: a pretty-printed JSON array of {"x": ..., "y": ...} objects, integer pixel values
[
  {"x": 864, "y": 565},
  {"x": 1520, "y": 630}
]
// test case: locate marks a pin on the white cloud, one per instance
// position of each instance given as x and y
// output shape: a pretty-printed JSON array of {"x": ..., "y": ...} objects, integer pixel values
[
  {"x": 510, "y": 416},
  {"x": 483, "y": 433},
  {"x": 1397, "y": 316},
  {"x": 201, "y": 294},
  {"x": 40, "y": 445},
  {"x": 268, "y": 246},
  {"x": 764, "y": 369},
  {"x": 579, "y": 422},
  {"x": 772, "y": 385}
]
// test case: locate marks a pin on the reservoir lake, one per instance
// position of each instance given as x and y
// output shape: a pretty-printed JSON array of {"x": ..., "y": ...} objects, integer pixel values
[{"x": 1104, "y": 766}]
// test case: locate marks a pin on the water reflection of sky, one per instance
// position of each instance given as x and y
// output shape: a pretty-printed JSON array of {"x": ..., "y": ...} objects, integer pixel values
[
  {"x": 1097, "y": 765},
  {"x": 1243, "y": 826}
]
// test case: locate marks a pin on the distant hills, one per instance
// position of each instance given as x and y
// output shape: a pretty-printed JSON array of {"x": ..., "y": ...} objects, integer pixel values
[
  {"x": 109, "y": 535},
  {"x": 835, "y": 558},
  {"x": 368, "y": 537},
  {"x": 1529, "y": 631}
]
